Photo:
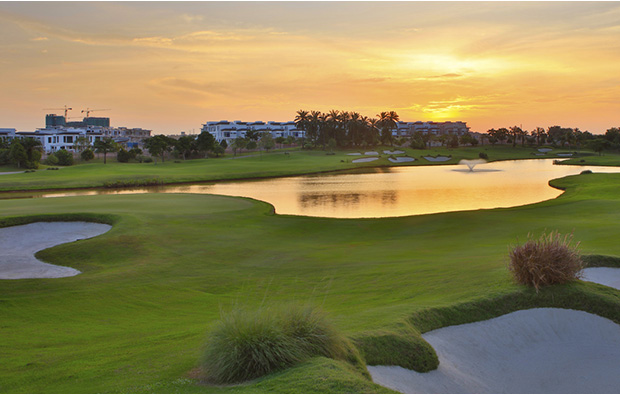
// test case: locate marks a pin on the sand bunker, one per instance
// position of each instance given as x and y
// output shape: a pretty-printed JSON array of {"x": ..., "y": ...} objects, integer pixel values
[
  {"x": 437, "y": 159},
  {"x": 364, "y": 160},
  {"x": 393, "y": 152},
  {"x": 355, "y": 153},
  {"x": 371, "y": 153},
  {"x": 528, "y": 351},
  {"x": 401, "y": 159},
  {"x": 609, "y": 276},
  {"x": 18, "y": 244},
  {"x": 545, "y": 150}
]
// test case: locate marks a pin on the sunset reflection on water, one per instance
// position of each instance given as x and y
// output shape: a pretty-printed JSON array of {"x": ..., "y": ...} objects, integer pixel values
[{"x": 391, "y": 192}]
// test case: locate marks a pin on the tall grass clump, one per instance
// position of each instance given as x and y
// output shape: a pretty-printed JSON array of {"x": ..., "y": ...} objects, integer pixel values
[
  {"x": 550, "y": 259},
  {"x": 245, "y": 345}
]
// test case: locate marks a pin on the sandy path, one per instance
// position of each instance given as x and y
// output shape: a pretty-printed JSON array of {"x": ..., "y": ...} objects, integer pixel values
[
  {"x": 18, "y": 244},
  {"x": 529, "y": 351}
]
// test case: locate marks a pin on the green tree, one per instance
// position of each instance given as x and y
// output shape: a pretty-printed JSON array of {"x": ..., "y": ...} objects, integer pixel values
[
  {"x": 219, "y": 150},
  {"x": 252, "y": 135},
  {"x": 331, "y": 144},
  {"x": 266, "y": 141},
  {"x": 33, "y": 149},
  {"x": 159, "y": 145},
  {"x": 251, "y": 145},
  {"x": 598, "y": 145},
  {"x": 81, "y": 143},
  {"x": 184, "y": 145},
  {"x": 205, "y": 142},
  {"x": 105, "y": 145},
  {"x": 65, "y": 158},
  {"x": 387, "y": 120},
  {"x": 238, "y": 143},
  {"x": 17, "y": 154},
  {"x": 87, "y": 155},
  {"x": 123, "y": 155}
]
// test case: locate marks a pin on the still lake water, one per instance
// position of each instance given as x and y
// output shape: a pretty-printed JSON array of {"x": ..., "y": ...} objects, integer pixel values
[{"x": 391, "y": 192}]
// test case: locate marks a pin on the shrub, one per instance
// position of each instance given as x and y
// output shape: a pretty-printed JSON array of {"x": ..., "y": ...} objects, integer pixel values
[
  {"x": 245, "y": 345},
  {"x": 586, "y": 172},
  {"x": 65, "y": 158},
  {"x": 87, "y": 155},
  {"x": 147, "y": 159},
  {"x": 123, "y": 156},
  {"x": 549, "y": 260},
  {"x": 483, "y": 155},
  {"x": 51, "y": 160}
]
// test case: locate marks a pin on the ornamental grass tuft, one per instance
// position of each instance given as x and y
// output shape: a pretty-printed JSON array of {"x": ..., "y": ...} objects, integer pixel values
[
  {"x": 245, "y": 345},
  {"x": 550, "y": 259}
]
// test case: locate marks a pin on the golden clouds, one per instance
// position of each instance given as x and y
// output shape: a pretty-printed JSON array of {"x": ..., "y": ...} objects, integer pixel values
[{"x": 490, "y": 64}]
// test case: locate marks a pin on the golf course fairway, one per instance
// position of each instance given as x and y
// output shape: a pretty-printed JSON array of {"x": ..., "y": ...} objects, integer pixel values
[{"x": 136, "y": 318}]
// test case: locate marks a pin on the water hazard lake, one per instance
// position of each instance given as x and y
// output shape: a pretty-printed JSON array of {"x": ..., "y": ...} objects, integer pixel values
[{"x": 389, "y": 192}]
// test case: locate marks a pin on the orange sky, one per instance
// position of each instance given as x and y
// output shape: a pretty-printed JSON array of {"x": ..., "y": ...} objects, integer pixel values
[{"x": 170, "y": 66}]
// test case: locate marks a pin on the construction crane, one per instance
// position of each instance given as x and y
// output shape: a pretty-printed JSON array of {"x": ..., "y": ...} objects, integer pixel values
[
  {"x": 66, "y": 109},
  {"x": 88, "y": 111}
]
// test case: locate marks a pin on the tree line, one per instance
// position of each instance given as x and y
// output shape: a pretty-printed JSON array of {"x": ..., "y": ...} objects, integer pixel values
[
  {"x": 555, "y": 135},
  {"x": 346, "y": 129}
]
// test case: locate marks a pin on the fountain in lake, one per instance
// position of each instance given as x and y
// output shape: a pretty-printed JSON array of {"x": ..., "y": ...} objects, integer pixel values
[{"x": 471, "y": 163}]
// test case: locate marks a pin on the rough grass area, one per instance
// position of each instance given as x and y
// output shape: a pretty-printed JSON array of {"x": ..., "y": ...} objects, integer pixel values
[
  {"x": 600, "y": 261},
  {"x": 72, "y": 217},
  {"x": 402, "y": 347},
  {"x": 550, "y": 259},
  {"x": 246, "y": 344}
]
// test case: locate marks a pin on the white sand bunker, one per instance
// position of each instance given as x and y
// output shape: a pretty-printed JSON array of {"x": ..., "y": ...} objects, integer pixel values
[
  {"x": 397, "y": 152},
  {"x": 18, "y": 244},
  {"x": 609, "y": 276},
  {"x": 528, "y": 351},
  {"x": 437, "y": 158},
  {"x": 364, "y": 160},
  {"x": 371, "y": 153},
  {"x": 401, "y": 159},
  {"x": 355, "y": 153}
]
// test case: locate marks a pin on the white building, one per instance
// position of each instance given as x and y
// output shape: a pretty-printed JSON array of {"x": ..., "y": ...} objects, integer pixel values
[
  {"x": 434, "y": 128},
  {"x": 57, "y": 138},
  {"x": 226, "y": 130}
]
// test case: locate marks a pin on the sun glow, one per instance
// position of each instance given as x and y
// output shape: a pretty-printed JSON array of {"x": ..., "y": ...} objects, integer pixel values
[{"x": 173, "y": 66}]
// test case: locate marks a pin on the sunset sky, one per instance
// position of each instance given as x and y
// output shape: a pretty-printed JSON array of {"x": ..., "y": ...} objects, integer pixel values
[{"x": 171, "y": 66}]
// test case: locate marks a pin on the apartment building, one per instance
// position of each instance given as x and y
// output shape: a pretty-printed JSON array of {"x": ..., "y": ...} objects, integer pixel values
[
  {"x": 227, "y": 130},
  {"x": 60, "y": 136},
  {"x": 434, "y": 128}
]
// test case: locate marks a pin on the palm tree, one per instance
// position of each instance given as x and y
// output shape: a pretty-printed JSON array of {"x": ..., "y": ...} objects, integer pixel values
[
  {"x": 373, "y": 131},
  {"x": 538, "y": 132},
  {"x": 301, "y": 121},
  {"x": 515, "y": 131},
  {"x": 388, "y": 122}
]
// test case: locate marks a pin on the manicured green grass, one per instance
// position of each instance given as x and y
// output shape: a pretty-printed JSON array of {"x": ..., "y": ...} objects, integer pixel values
[
  {"x": 608, "y": 158},
  {"x": 136, "y": 319},
  {"x": 274, "y": 164}
]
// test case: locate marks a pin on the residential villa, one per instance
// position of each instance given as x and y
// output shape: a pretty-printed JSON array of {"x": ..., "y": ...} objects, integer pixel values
[
  {"x": 58, "y": 135},
  {"x": 227, "y": 130}
]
